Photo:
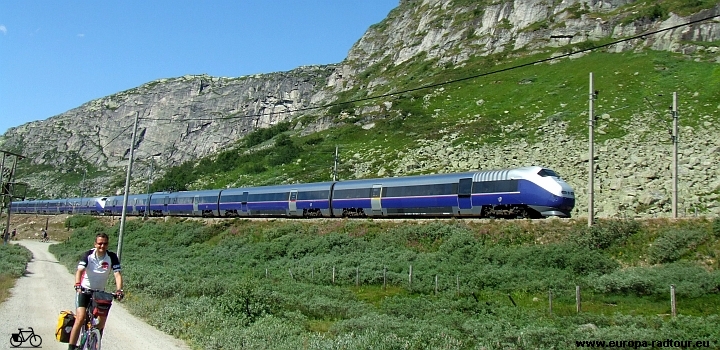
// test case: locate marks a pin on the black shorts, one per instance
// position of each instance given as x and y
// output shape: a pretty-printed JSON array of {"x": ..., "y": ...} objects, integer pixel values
[{"x": 82, "y": 300}]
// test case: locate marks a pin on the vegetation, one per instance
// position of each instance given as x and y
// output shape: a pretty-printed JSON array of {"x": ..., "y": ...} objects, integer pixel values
[
  {"x": 13, "y": 260},
  {"x": 286, "y": 284}
]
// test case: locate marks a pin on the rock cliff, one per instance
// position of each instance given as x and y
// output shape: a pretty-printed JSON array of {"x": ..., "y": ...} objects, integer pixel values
[{"x": 191, "y": 117}]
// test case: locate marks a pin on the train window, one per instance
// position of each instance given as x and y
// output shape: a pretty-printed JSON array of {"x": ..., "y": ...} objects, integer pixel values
[
  {"x": 208, "y": 199},
  {"x": 375, "y": 192},
  {"x": 547, "y": 172},
  {"x": 308, "y": 195},
  {"x": 420, "y": 190},
  {"x": 268, "y": 197},
  {"x": 352, "y": 193},
  {"x": 496, "y": 186}
]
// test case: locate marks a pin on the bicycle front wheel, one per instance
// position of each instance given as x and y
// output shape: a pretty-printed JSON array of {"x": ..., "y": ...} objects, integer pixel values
[
  {"x": 35, "y": 341},
  {"x": 92, "y": 340}
]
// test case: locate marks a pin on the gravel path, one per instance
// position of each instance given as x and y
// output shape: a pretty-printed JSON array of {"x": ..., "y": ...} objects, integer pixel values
[{"x": 46, "y": 289}]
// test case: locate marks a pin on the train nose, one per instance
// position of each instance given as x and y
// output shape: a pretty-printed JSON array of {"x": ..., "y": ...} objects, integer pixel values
[{"x": 567, "y": 204}]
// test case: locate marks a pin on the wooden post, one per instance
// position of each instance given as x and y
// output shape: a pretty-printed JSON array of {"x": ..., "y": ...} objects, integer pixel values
[
  {"x": 550, "y": 301},
  {"x": 457, "y": 284},
  {"x": 577, "y": 299},
  {"x": 312, "y": 273},
  {"x": 410, "y": 277},
  {"x": 673, "y": 307},
  {"x": 333, "y": 276},
  {"x": 436, "y": 284},
  {"x": 384, "y": 277},
  {"x": 266, "y": 273},
  {"x": 291, "y": 275},
  {"x": 357, "y": 276}
]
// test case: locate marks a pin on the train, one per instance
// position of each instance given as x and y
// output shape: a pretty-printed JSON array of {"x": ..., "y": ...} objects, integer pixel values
[{"x": 525, "y": 192}]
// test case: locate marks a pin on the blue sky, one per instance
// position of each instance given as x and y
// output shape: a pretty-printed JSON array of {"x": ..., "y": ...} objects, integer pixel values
[{"x": 57, "y": 55}]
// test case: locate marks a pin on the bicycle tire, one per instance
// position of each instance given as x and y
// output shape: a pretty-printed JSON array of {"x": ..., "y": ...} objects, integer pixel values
[
  {"x": 13, "y": 343},
  {"x": 32, "y": 340},
  {"x": 92, "y": 342}
]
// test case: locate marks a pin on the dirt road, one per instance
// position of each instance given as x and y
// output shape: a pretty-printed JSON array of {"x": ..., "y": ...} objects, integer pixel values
[{"x": 38, "y": 297}]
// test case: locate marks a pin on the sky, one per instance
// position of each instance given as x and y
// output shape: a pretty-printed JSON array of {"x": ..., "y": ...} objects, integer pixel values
[{"x": 58, "y": 55}]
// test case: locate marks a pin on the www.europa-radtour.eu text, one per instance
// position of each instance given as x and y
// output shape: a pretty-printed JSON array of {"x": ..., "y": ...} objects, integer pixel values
[{"x": 638, "y": 344}]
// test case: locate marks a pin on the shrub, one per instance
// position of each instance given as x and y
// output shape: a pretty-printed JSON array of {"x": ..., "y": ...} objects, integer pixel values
[
  {"x": 673, "y": 243},
  {"x": 606, "y": 233}
]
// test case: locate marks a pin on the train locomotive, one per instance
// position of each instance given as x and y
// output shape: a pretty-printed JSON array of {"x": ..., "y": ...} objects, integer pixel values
[{"x": 527, "y": 192}]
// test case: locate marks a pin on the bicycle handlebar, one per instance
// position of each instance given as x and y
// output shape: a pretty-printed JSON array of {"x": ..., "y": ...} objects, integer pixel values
[{"x": 89, "y": 291}]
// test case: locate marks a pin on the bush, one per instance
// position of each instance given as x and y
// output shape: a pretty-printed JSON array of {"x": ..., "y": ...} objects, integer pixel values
[
  {"x": 77, "y": 221},
  {"x": 673, "y": 243},
  {"x": 689, "y": 280},
  {"x": 606, "y": 233}
]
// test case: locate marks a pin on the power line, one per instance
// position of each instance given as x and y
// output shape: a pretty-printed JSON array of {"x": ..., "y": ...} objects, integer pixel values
[{"x": 434, "y": 85}]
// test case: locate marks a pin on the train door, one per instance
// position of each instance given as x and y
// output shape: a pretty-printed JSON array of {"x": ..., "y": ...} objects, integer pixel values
[
  {"x": 465, "y": 194},
  {"x": 292, "y": 203},
  {"x": 133, "y": 207},
  {"x": 243, "y": 203},
  {"x": 166, "y": 201},
  {"x": 375, "y": 196},
  {"x": 195, "y": 210}
]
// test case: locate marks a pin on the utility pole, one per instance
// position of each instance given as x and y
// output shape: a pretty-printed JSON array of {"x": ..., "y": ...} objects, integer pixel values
[
  {"x": 127, "y": 187},
  {"x": 7, "y": 186},
  {"x": 675, "y": 156},
  {"x": 335, "y": 164},
  {"x": 591, "y": 161}
]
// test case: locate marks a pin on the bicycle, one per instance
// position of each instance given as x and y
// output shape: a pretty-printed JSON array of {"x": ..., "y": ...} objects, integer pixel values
[
  {"x": 90, "y": 337},
  {"x": 18, "y": 338}
]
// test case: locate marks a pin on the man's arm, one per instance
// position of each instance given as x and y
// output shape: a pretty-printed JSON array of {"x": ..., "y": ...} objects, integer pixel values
[
  {"x": 79, "y": 275},
  {"x": 118, "y": 280}
]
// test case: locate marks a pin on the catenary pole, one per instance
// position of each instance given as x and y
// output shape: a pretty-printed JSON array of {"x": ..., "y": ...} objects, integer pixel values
[
  {"x": 127, "y": 187},
  {"x": 591, "y": 161},
  {"x": 675, "y": 156}
]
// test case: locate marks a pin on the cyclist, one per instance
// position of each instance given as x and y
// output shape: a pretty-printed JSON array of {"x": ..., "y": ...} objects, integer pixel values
[{"x": 92, "y": 273}]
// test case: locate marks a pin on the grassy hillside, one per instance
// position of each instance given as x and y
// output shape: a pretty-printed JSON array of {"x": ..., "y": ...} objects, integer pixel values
[
  {"x": 269, "y": 284},
  {"x": 497, "y": 108}
]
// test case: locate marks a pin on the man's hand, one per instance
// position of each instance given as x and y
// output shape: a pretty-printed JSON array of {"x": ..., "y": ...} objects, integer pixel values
[
  {"x": 119, "y": 294},
  {"x": 78, "y": 287}
]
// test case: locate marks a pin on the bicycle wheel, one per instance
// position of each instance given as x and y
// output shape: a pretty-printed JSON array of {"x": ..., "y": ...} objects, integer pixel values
[
  {"x": 14, "y": 343},
  {"x": 35, "y": 340},
  {"x": 92, "y": 342}
]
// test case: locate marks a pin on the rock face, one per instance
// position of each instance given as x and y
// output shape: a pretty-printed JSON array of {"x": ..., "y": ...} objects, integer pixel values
[
  {"x": 190, "y": 117},
  {"x": 180, "y": 119}
]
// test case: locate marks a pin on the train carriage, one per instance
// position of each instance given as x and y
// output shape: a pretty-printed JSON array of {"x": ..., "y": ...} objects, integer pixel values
[
  {"x": 298, "y": 200},
  {"x": 188, "y": 203}
]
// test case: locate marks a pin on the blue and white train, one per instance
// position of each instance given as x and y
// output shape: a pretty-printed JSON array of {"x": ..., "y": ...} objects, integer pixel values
[{"x": 528, "y": 192}]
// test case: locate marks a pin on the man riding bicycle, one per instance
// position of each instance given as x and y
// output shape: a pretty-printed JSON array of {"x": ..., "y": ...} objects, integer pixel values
[{"x": 92, "y": 273}]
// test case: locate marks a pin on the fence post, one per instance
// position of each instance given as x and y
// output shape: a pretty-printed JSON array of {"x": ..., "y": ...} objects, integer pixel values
[
  {"x": 577, "y": 299},
  {"x": 436, "y": 284},
  {"x": 333, "y": 276},
  {"x": 550, "y": 301},
  {"x": 410, "y": 277},
  {"x": 457, "y": 284},
  {"x": 266, "y": 273},
  {"x": 312, "y": 273},
  {"x": 673, "y": 309},
  {"x": 384, "y": 277},
  {"x": 357, "y": 276}
]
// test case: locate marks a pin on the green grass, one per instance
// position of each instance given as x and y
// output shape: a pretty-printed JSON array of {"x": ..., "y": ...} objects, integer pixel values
[{"x": 238, "y": 273}]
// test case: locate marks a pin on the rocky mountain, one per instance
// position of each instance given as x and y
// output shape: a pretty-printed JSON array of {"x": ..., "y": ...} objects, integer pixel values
[{"x": 190, "y": 117}]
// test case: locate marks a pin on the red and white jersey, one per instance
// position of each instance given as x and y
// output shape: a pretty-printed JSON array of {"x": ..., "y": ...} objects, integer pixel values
[{"x": 97, "y": 270}]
